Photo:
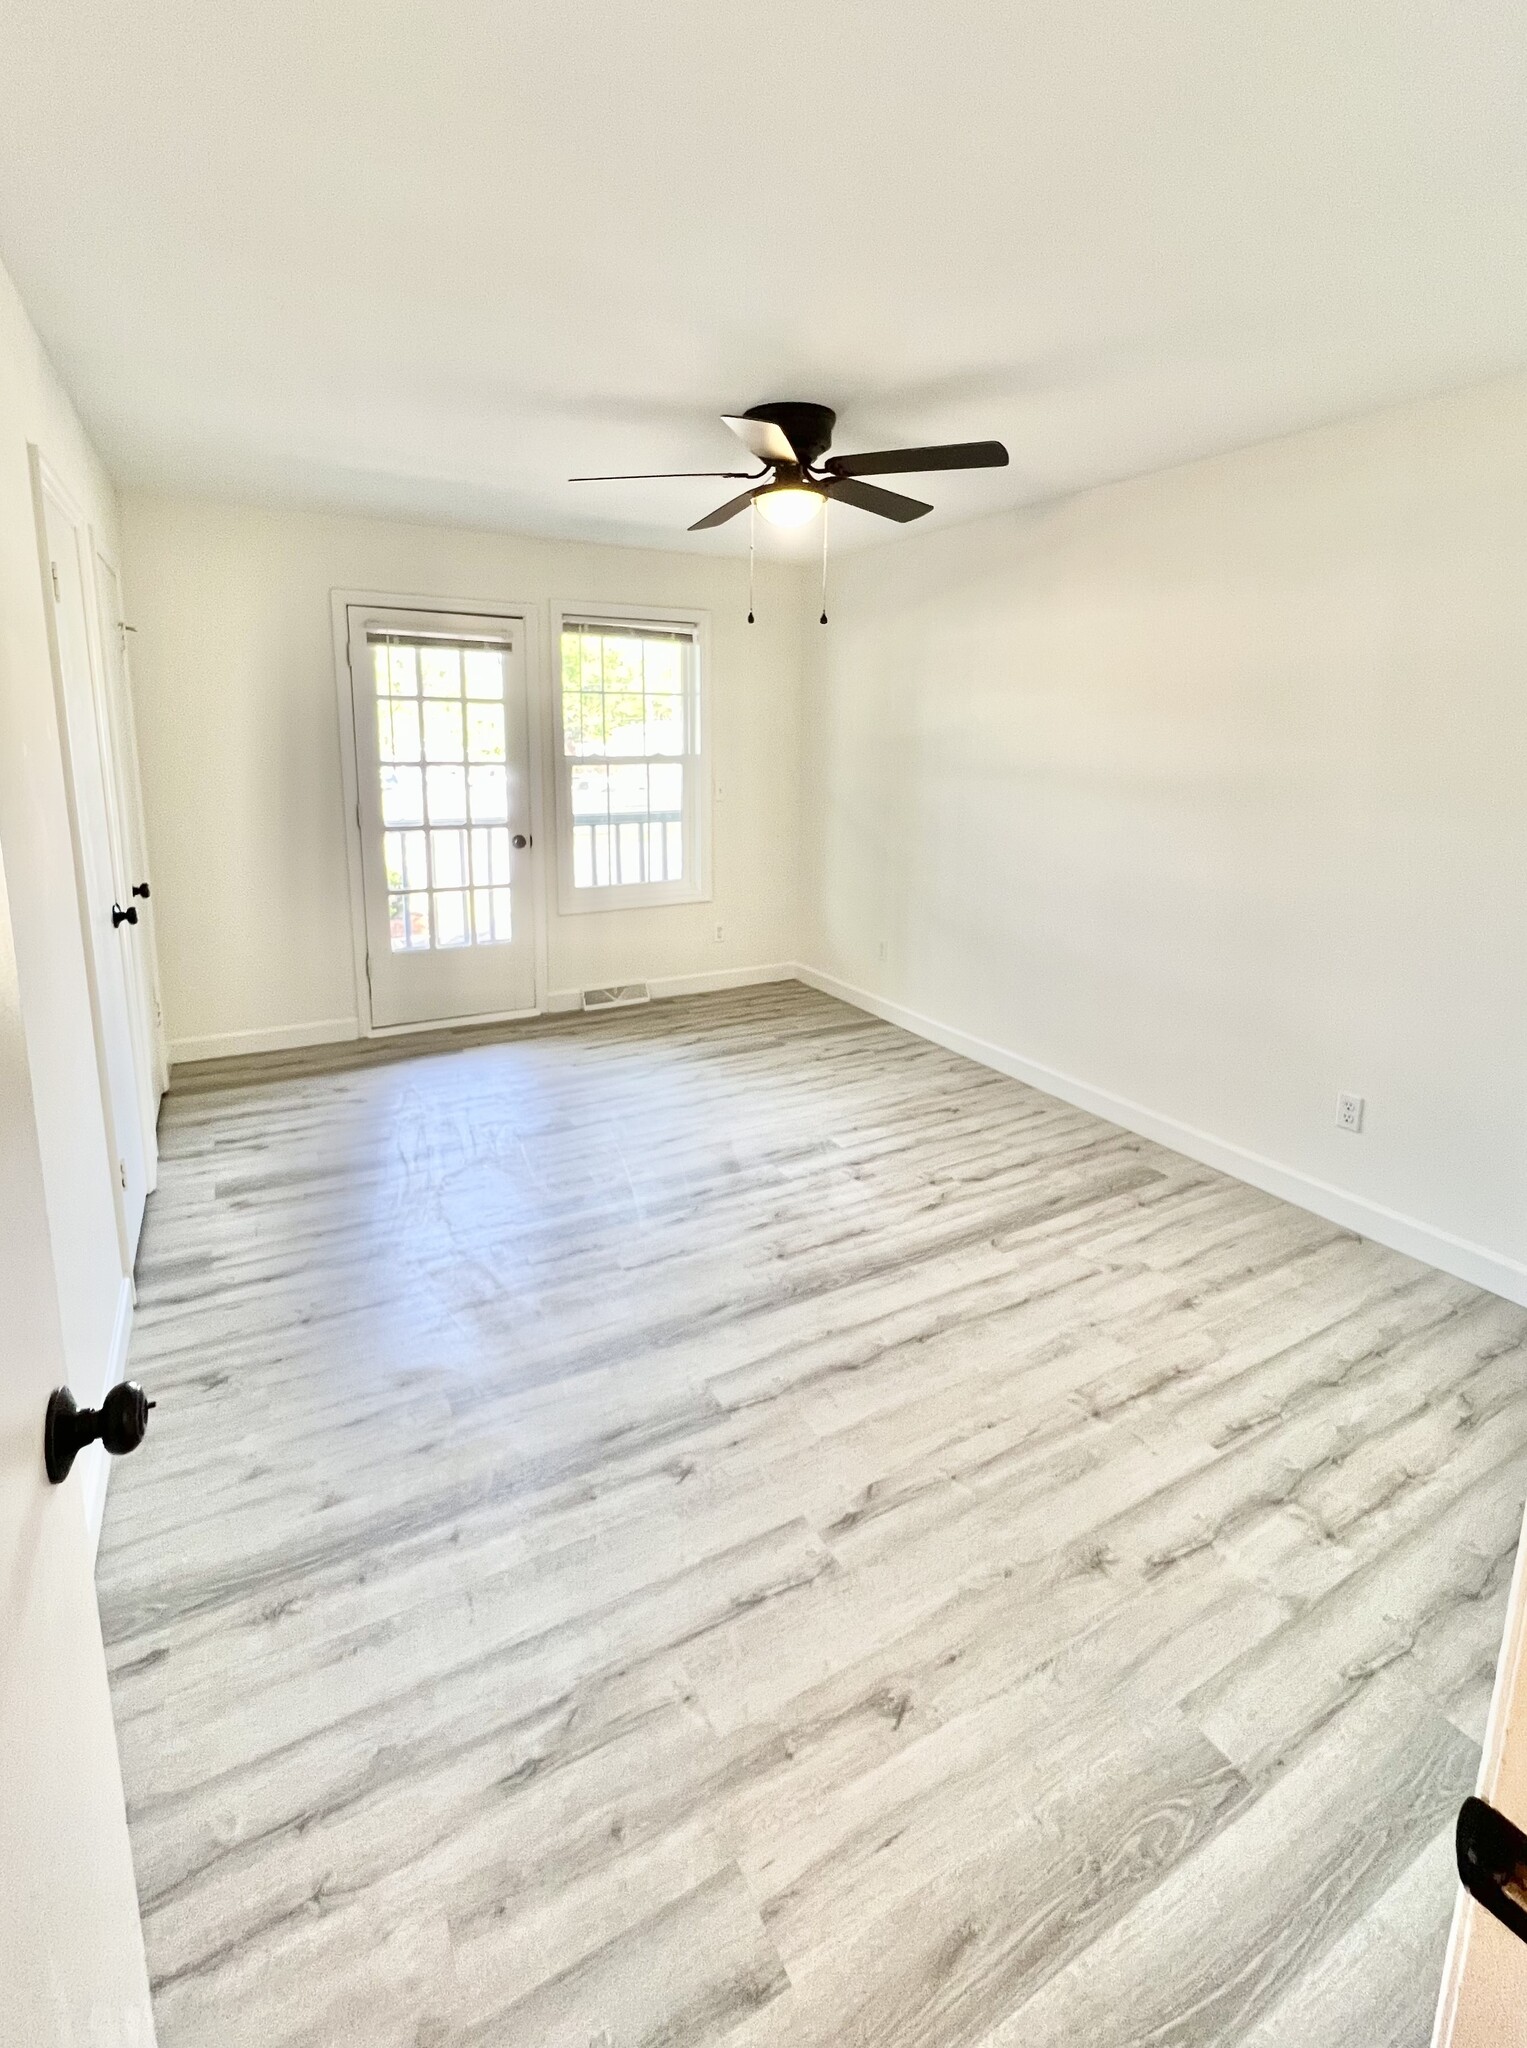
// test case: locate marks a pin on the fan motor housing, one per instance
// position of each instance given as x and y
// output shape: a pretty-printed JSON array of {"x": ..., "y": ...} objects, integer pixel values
[{"x": 808, "y": 428}]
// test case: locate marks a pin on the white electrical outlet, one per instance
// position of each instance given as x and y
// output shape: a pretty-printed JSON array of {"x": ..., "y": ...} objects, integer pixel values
[
  {"x": 883, "y": 949},
  {"x": 720, "y": 933},
  {"x": 1349, "y": 1112}
]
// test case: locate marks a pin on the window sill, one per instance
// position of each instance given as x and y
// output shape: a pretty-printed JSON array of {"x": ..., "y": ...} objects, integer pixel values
[{"x": 629, "y": 896}]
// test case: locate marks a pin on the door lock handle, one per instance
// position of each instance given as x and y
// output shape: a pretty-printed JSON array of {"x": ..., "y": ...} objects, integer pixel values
[
  {"x": 520, "y": 839},
  {"x": 141, "y": 889},
  {"x": 1492, "y": 1863},
  {"x": 119, "y": 916},
  {"x": 119, "y": 1423}
]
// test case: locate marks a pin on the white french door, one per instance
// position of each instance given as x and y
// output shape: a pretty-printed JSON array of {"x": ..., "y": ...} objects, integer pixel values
[{"x": 442, "y": 762}]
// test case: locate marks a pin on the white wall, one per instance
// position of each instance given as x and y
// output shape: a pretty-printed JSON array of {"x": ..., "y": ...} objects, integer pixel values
[
  {"x": 1198, "y": 798},
  {"x": 1203, "y": 797},
  {"x": 239, "y": 744},
  {"x": 77, "y": 1156}
]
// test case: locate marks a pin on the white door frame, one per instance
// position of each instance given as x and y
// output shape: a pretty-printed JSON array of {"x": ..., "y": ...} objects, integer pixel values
[{"x": 527, "y": 617}]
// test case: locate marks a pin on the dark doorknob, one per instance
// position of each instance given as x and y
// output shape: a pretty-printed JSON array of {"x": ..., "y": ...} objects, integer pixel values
[
  {"x": 119, "y": 1423},
  {"x": 519, "y": 839},
  {"x": 141, "y": 889},
  {"x": 119, "y": 916},
  {"x": 1492, "y": 1862}
]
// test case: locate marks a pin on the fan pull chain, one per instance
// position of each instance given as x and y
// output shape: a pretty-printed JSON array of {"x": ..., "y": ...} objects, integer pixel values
[
  {"x": 825, "y": 509},
  {"x": 752, "y": 537}
]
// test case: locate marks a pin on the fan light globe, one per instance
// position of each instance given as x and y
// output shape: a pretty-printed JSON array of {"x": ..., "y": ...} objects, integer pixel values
[{"x": 789, "y": 504}]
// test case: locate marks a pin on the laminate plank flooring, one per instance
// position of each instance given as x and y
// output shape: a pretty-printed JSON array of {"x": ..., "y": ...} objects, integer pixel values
[{"x": 728, "y": 1524}]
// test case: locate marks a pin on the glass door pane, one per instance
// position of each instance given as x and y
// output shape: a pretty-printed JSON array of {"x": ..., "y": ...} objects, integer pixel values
[{"x": 441, "y": 763}]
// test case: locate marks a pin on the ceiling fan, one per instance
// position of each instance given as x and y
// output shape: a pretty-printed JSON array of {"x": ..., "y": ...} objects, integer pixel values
[{"x": 791, "y": 439}]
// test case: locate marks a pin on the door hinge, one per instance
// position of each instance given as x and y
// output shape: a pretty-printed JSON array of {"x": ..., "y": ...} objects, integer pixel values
[
  {"x": 122, "y": 1172},
  {"x": 58, "y": 595}
]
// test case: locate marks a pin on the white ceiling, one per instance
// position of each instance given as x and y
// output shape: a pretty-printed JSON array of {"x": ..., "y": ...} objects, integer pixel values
[{"x": 435, "y": 258}]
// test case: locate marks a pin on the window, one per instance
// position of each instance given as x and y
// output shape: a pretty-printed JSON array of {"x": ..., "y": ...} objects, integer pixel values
[
  {"x": 441, "y": 754},
  {"x": 631, "y": 784}
]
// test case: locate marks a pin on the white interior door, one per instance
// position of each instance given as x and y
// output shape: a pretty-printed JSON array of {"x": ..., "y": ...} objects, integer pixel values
[
  {"x": 131, "y": 856},
  {"x": 443, "y": 777},
  {"x": 108, "y": 910},
  {"x": 71, "y": 1950}
]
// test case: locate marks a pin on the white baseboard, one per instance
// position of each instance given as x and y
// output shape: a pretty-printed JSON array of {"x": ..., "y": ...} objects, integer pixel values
[
  {"x": 228, "y": 1045},
  {"x": 1473, "y": 1262},
  {"x": 93, "y": 1465},
  {"x": 686, "y": 984}
]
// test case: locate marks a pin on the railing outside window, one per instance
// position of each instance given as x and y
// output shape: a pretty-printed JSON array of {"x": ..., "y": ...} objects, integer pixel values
[{"x": 632, "y": 846}]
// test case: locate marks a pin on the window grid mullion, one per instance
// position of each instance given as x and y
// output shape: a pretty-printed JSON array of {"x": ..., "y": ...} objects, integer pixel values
[
  {"x": 653, "y": 865},
  {"x": 429, "y": 843}
]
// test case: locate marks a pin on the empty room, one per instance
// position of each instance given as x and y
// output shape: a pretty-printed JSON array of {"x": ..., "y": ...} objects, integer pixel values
[{"x": 763, "y": 1025}]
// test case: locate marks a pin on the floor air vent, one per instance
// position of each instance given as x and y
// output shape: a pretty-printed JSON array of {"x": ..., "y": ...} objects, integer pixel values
[{"x": 622, "y": 997}]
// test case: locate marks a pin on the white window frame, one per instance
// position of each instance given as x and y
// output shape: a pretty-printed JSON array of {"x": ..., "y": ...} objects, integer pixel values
[{"x": 696, "y": 886}]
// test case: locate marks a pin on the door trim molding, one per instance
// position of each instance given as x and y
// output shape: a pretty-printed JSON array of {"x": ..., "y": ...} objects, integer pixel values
[{"x": 524, "y": 614}]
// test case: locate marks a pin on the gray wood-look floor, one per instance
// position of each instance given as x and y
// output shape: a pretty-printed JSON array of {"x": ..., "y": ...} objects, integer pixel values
[{"x": 727, "y": 1523}]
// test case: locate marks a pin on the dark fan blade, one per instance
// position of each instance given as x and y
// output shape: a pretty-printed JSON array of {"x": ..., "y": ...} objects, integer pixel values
[
  {"x": 724, "y": 512},
  {"x": 889, "y": 504},
  {"x": 653, "y": 476},
  {"x": 902, "y": 461},
  {"x": 761, "y": 438}
]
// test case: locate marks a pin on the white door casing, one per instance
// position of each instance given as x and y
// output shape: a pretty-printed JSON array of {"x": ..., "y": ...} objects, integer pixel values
[
  {"x": 102, "y": 889},
  {"x": 440, "y": 731}
]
